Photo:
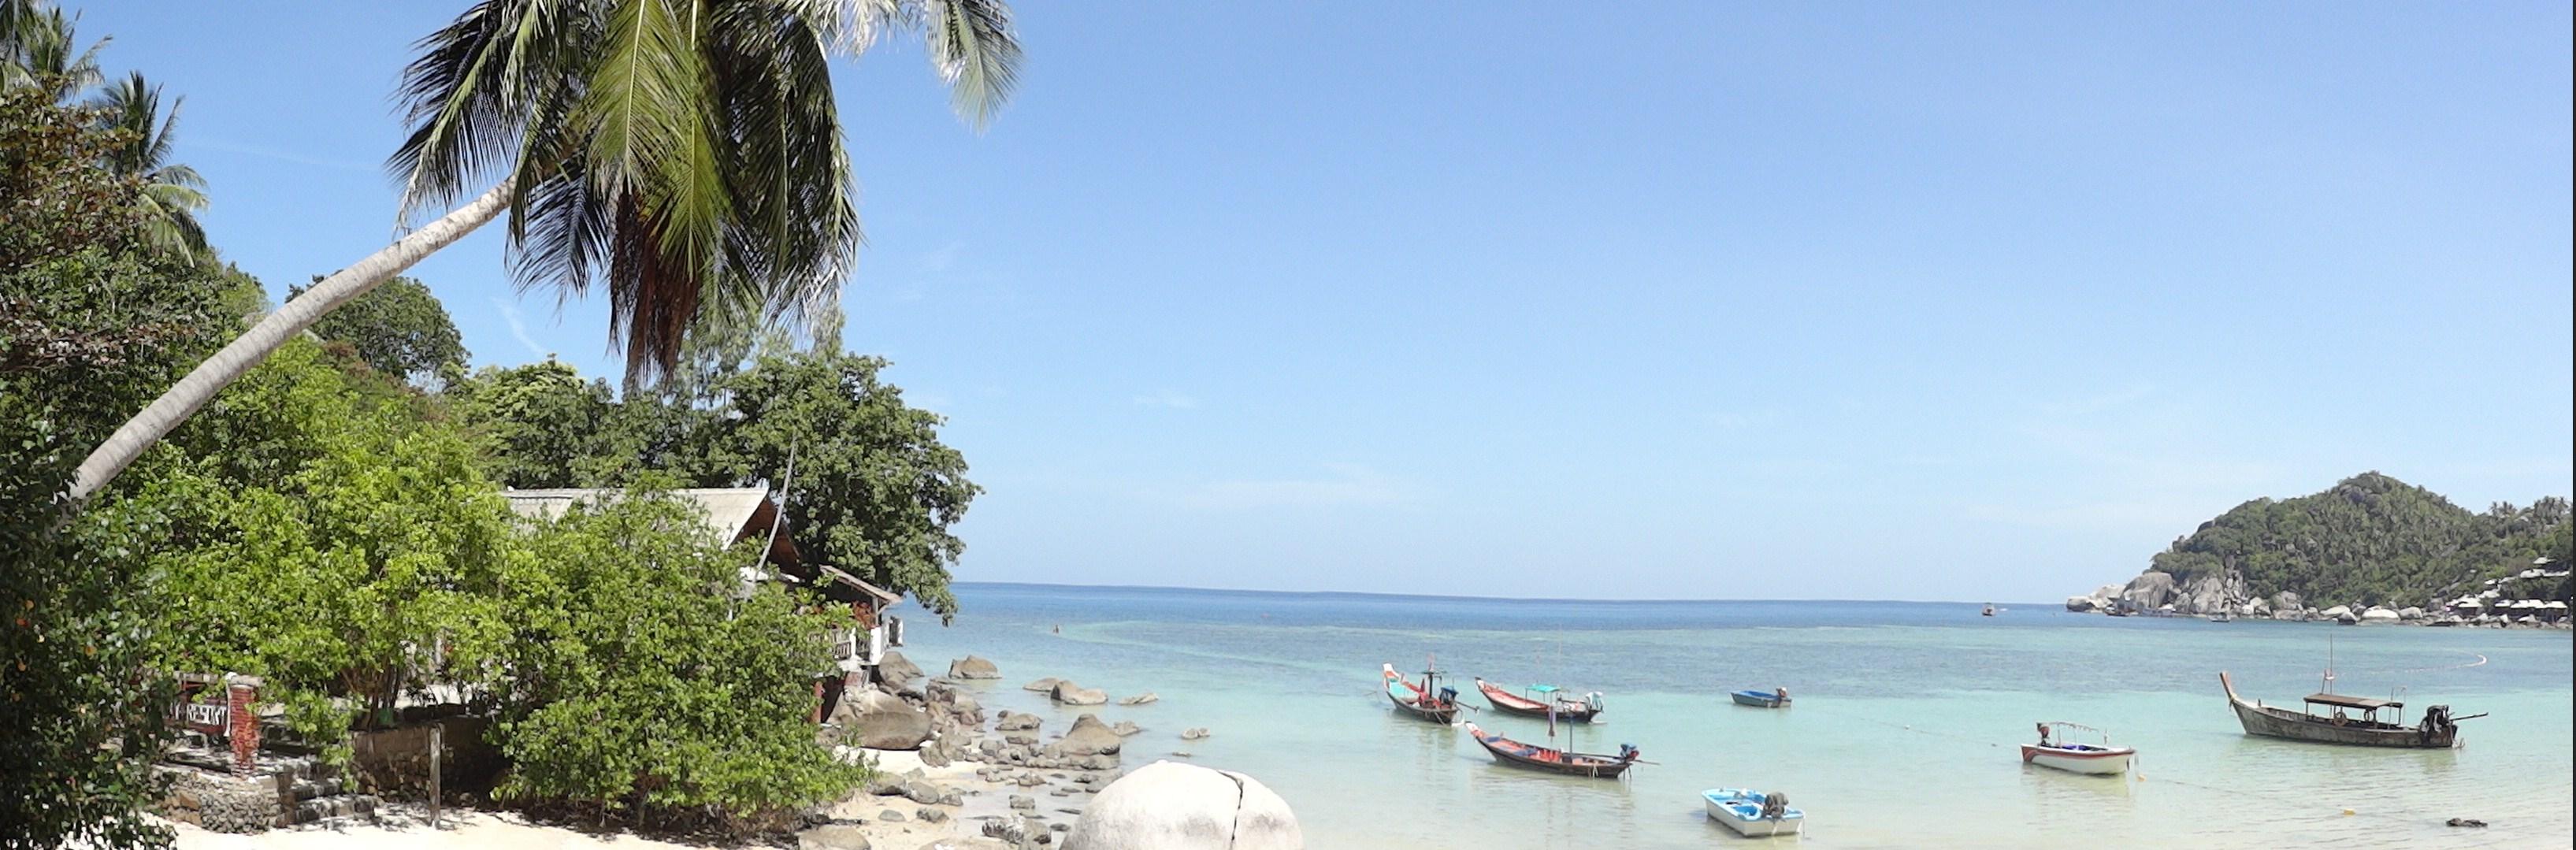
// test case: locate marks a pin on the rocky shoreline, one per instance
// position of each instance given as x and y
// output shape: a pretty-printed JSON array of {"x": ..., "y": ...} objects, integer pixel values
[
  {"x": 947, "y": 777},
  {"x": 2157, "y": 594}
]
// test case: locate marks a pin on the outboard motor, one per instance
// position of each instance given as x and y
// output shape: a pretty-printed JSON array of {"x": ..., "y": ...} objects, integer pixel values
[
  {"x": 1593, "y": 701},
  {"x": 2436, "y": 723},
  {"x": 1448, "y": 695},
  {"x": 1774, "y": 805},
  {"x": 1627, "y": 752}
]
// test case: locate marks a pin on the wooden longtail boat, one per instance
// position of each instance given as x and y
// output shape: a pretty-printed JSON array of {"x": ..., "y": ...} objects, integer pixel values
[
  {"x": 2053, "y": 750},
  {"x": 1775, "y": 698},
  {"x": 1427, "y": 701},
  {"x": 2437, "y": 730},
  {"x": 1515, "y": 753},
  {"x": 1567, "y": 710}
]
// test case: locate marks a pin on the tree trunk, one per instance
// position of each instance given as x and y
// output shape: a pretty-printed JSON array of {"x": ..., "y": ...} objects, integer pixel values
[{"x": 246, "y": 351}]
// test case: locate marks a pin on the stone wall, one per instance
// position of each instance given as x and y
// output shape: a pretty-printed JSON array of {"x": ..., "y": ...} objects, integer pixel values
[{"x": 218, "y": 802}]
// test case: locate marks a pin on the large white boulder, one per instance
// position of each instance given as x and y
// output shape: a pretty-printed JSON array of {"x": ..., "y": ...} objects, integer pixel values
[
  {"x": 2380, "y": 614},
  {"x": 1173, "y": 806}
]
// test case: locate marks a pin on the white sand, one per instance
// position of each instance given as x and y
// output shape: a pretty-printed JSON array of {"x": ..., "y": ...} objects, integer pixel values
[{"x": 406, "y": 828}]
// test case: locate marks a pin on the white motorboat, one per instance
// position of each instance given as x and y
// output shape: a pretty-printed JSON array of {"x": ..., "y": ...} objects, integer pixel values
[
  {"x": 2053, "y": 750},
  {"x": 1753, "y": 813}
]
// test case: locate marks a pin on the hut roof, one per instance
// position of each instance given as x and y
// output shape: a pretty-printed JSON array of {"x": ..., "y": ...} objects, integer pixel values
[{"x": 732, "y": 513}]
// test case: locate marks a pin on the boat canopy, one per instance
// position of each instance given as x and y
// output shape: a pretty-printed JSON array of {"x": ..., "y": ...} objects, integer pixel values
[
  {"x": 1544, "y": 689},
  {"x": 2363, "y": 703}
]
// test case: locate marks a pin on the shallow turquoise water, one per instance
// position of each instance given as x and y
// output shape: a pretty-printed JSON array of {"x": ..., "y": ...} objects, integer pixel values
[{"x": 1902, "y": 735}]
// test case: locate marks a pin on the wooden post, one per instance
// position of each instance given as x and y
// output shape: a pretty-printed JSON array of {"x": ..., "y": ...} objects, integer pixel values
[{"x": 437, "y": 742}]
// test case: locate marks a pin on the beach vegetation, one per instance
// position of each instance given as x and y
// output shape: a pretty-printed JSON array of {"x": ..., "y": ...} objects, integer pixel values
[{"x": 2370, "y": 539}]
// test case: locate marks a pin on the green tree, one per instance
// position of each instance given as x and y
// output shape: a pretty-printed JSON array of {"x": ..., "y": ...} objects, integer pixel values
[
  {"x": 172, "y": 193},
  {"x": 331, "y": 552},
  {"x": 91, "y": 324},
  {"x": 543, "y": 420},
  {"x": 644, "y": 676},
  {"x": 38, "y": 52},
  {"x": 399, "y": 328},
  {"x": 684, "y": 155},
  {"x": 875, "y": 492}
]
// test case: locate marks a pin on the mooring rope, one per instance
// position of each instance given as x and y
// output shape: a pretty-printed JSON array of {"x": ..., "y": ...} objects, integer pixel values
[{"x": 2481, "y": 659}]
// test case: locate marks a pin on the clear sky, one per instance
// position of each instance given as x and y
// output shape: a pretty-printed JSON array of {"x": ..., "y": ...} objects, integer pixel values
[{"x": 1872, "y": 300}]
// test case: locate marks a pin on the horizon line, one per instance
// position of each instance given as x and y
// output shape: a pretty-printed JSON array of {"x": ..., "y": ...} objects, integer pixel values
[{"x": 1454, "y": 596}]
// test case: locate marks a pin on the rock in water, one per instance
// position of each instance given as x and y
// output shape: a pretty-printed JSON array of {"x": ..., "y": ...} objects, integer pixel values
[
  {"x": 1194, "y": 733},
  {"x": 1173, "y": 806},
  {"x": 1125, "y": 728},
  {"x": 1139, "y": 699},
  {"x": 884, "y": 721},
  {"x": 1010, "y": 721},
  {"x": 2151, "y": 589},
  {"x": 1069, "y": 693},
  {"x": 2287, "y": 601},
  {"x": 973, "y": 667},
  {"x": 2079, "y": 604},
  {"x": 1045, "y": 685},
  {"x": 2469, "y": 822},
  {"x": 896, "y": 669},
  {"x": 1087, "y": 737},
  {"x": 2379, "y": 614}
]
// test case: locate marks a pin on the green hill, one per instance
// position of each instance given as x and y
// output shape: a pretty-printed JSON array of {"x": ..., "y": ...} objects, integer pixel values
[{"x": 2371, "y": 538}]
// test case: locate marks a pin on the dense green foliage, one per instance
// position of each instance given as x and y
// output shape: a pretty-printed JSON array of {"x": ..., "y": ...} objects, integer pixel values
[
  {"x": 375, "y": 532},
  {"x": 640, "y": 674},
  {"x": 874, "y": 494},
  {"x": 2370, "y": 539},
  {"x": 92, "y": 324},
  {"x": 399, "y": 328}
]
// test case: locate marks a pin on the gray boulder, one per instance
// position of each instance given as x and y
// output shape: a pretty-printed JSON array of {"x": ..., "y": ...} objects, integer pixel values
[
  {"x": 1194, "y": 733},
  {"x": 2338, "y": 612},
  {"x": 1068, "y": 693},
  {"x": 896, "y": 669},
  {"x": 1042, "y": 685},
  {"x": 2079, "y": 604},
  {"x": 1087, "y": 736},
  {"x": 1173, "y": 806},
  {"x": 2380, "y": 614},
  {"x": 1125, "y": 728},
  {"x": 2410, "y": 613},
  {"x": 882, "y": 721},
  {"x": 2287, "y": 601},
  {"x": 832, "y": 837},
  {"x": 2151, "y": 589},
  {"x": 1139, "y": 699},
  {"x": 1010, "y": 720},
  {"x": 973, "y": 667}
]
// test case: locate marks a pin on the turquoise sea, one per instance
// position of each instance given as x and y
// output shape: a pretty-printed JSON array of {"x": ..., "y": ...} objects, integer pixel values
[{"x": 1902, "y": 735}]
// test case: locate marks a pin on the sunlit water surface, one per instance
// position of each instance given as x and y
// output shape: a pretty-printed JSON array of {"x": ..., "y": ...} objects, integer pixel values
[{"x": 1902, "y": 734}]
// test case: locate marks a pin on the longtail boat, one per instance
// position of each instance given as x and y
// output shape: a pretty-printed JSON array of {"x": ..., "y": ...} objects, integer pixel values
[
  {"x": 1774, "y": 698},
  {"x": 2054, "y": 750},
  {"x": 1427, "y": 701},
  {"x": 2436, "y": 730},
  {"x": 1548, "y": 698},
  {"x": 1515, "y": 753}
]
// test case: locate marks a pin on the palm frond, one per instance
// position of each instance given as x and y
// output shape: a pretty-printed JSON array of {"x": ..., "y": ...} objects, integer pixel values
[{"x": 977, "y": 55}]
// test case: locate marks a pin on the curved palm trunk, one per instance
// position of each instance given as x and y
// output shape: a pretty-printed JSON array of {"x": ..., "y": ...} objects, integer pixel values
[{"x": 246, "y": 351}]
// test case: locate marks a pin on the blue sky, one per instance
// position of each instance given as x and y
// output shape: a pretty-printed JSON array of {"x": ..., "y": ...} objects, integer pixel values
[{"x": 1910, "y": 301}]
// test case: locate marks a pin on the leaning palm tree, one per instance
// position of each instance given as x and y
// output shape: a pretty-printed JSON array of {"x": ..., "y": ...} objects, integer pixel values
[
  {"x": 37, "y": 50},
  {"x": 172, "y": 193},
  {"x": 683, "y": 155}
]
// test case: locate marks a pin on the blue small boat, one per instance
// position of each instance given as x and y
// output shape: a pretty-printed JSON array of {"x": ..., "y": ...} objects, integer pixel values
[{"x": 1777, "y": 698}]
